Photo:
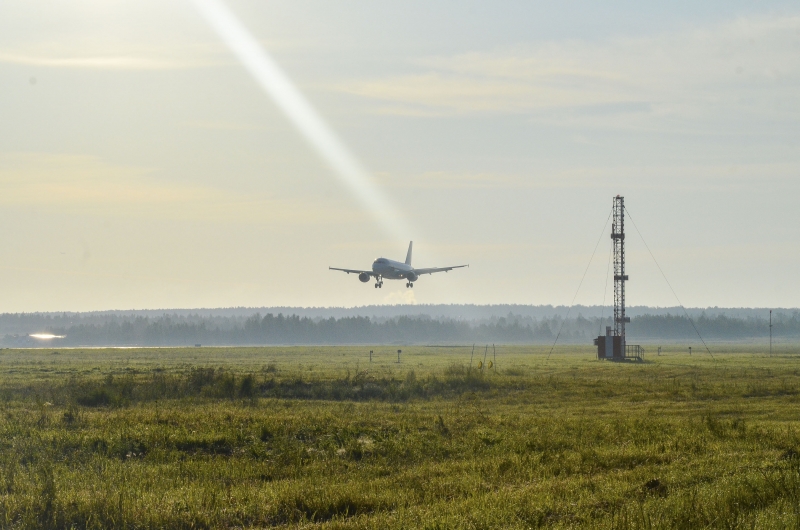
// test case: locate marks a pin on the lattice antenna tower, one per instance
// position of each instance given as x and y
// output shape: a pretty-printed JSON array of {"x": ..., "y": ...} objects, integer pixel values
[
  {"x": 618, "y": 237},
  {"x": 613, "y": 345}
]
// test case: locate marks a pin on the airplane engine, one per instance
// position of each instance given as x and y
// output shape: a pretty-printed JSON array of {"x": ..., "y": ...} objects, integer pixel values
[
  {"x": 364, "y": 277},
  {"x": 412, "y": 277}
]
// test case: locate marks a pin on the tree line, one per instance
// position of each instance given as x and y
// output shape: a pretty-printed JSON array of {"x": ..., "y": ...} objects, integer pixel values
[{"x": 174, "y": 330}]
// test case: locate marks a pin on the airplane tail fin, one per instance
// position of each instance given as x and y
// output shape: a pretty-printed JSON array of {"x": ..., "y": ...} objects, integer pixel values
[{"x": 408, "y": 256}]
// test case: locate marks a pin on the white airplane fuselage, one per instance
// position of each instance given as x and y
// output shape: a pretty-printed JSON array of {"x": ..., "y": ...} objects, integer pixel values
[{"x": 393, "y": 270}]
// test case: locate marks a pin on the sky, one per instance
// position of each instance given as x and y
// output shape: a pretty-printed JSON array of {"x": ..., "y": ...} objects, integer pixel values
[{"x": 147, "y": 162}]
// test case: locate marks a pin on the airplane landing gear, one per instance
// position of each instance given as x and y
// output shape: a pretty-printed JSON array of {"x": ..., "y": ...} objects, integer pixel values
[
  {"x": 409, "y": 285},
  {"x": 379, "y": 284}
]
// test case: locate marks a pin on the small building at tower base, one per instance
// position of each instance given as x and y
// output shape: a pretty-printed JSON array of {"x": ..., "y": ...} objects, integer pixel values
[{"x": 610, "y": 346}]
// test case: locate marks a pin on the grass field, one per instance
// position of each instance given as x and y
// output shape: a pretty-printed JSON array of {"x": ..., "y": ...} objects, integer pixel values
[{"x": 321, "y": 437}]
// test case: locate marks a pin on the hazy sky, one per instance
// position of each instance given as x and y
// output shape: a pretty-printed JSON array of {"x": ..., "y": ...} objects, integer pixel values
[{"x": 143, "y": 166}]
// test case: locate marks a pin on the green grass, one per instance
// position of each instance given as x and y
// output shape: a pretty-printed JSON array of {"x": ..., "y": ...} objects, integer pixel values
[{"x": 321, "y": 437}]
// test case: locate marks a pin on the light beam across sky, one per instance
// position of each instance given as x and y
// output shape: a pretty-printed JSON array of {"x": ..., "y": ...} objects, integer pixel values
[{"x": 274, "y": 81}]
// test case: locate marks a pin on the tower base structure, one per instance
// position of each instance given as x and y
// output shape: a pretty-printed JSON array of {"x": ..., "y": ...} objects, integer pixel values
[{"x": 613, "y": 348}]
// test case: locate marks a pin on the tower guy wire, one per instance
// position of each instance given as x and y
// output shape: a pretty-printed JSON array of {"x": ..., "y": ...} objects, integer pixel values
[
  {"x": 605, "y": 291},
  {"x": 669, "y": 284},
  {"x": 561, "y": 327}
]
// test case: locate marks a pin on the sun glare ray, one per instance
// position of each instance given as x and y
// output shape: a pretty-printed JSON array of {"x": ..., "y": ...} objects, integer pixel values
[{"x": 302, "y": 114}]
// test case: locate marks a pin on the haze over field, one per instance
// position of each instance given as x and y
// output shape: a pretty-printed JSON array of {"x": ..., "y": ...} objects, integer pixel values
[
  {"x": 444, "y": 325},
  {"x": 142, "y": 165}
]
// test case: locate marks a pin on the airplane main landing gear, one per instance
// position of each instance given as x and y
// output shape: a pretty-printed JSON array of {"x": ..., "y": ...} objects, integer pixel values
[
  {"x": 410, "y": 285},
  {"x": 379, "y": 284}
]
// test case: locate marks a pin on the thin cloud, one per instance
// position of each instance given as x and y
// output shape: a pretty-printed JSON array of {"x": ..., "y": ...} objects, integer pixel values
[
  {"x": 720, "y": 177},
  {"x": 88, "y": 186},
  {"x": 110, "y": 62},
  {"x": 223, "y": 126},
  {"x": 109, "y": 53},
  {"x": 451, "y": 180},
  {"x": 744, "y": 67}
]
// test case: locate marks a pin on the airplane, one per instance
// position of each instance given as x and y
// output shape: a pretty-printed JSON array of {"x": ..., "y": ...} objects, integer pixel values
[{"x": 395, "y": 270}]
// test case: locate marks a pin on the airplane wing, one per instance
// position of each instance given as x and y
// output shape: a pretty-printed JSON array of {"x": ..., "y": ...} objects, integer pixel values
[
  {"x": 348, "y": 271},
  {"x": 438, "y": 269}
]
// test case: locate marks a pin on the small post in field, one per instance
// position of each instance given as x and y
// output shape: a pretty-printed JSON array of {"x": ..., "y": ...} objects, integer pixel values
[{"x": 471, "y": 357}]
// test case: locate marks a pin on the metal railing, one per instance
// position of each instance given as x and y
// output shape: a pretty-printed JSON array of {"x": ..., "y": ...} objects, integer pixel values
[{"x": 634, "y": 351}]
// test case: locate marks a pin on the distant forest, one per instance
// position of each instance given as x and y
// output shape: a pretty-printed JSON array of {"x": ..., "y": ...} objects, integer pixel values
[{"x": 113, "y": 329}]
